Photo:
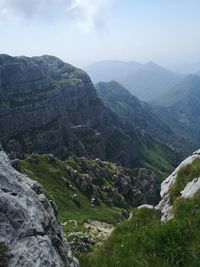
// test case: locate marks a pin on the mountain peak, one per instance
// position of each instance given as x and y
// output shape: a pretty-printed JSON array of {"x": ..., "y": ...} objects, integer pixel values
[
  {"x": 154, "y": 66},
  {"x": 151, "y": 63}
]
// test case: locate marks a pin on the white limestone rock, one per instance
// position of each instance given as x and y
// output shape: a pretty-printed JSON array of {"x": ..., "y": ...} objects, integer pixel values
[
  {"x": 191, "y": 188},
  {"x": 164, "y": 205}
]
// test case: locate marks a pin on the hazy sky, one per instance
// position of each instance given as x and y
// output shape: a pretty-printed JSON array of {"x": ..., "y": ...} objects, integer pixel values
[{"x": 83, "y": 31}]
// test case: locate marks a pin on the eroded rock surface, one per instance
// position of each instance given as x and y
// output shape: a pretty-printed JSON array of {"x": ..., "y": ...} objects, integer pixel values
[{"x": 28, "y": 223}]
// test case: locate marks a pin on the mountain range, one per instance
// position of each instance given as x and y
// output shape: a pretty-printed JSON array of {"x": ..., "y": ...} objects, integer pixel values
[
  {"x": 131, "y": 109},
  {"x": 185, "y": 68},
  {"x": 145, "y": 81},
  {"x": 48, "y": 106}
]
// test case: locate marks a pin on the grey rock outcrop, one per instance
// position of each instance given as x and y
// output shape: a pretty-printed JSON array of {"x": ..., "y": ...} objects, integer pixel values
[
  {"x": 114, "y": 185},
  {"x": 28, "y": 223}
]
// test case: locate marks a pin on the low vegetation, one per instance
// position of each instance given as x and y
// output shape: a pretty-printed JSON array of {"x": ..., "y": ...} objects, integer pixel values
[
  {"x": 146, "y": 242},
  {"x": 90, "y": 190},
  {"x": 143, "y": 240},
  {"x": 155, "y": 161}
]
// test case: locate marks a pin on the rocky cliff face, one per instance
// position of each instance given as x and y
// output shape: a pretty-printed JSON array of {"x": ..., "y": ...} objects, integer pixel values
[
  {"x": 28, "y": 223},
  {"x": 47, "y": 105}
]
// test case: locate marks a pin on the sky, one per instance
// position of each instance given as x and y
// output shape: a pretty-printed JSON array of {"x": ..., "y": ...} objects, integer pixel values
[{"x": 84, "y": 31}]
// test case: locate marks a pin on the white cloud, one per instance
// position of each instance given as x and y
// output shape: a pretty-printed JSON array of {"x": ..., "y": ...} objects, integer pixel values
[
  {"x": 34, "y": 8},
  {"x": 86, "y": 13},
  {"x": 90, "y": 13}
]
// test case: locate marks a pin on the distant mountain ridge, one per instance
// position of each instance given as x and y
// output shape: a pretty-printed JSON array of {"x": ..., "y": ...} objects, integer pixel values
[
  {"x": 180, "y": 108},
  {"x": 185, "y": 68},
  {"x": 111, "y": 70},
  {"x": 146, "y": 81}
]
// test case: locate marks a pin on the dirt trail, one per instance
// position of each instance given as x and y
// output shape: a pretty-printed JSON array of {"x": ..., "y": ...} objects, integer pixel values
[{"x": 101, "y": 229}]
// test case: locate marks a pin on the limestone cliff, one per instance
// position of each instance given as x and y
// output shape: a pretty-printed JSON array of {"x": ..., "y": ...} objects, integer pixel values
[
  {"x": 47, "y": 105},
  {"x": 28, "y": 223}
]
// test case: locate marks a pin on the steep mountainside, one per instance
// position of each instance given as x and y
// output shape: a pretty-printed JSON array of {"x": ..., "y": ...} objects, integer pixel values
[
  {"x": 180, "y": 108},
  {"x": 146, "y": 81},
  {"x": 29, "y": 231},
  {"x": 144, "y": 240},
  {"x": 130, "y": 108},
  {"x": 49, "y": 106}
]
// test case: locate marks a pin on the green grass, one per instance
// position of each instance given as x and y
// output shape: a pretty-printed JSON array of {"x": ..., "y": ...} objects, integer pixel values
[
  {"x": 155, "y": 161},
  {"x": 185, "y": 175},
  {"x": 146, "y": 242}
]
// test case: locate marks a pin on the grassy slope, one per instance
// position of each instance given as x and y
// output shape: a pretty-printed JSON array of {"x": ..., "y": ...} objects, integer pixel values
[
  {"x": 51, "y": 175},
  {"x": 146, "y": 242},
  {"x": 157, "y": 162}
]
